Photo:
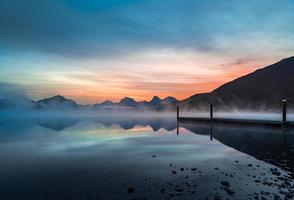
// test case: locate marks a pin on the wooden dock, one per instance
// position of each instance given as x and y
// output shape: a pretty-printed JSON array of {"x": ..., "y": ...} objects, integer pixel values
[
  {"x": 236, "y": 121},
  {"x": 213, "y": 119}
]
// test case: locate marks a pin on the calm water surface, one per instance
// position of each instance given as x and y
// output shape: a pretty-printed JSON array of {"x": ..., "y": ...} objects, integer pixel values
[{"x": 142, "y": 158}]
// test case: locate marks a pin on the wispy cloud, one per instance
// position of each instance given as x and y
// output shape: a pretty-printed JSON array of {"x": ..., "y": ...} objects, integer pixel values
[
  {"x": 105, "y": 28},
  {"x": 94, "y": 50}
]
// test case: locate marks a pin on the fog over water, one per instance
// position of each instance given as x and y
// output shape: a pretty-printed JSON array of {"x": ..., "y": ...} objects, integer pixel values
[
  {"x": 239, "y": 114},
  {"x": 271, "y": 116},
  {"x": 17, "y": 95}
]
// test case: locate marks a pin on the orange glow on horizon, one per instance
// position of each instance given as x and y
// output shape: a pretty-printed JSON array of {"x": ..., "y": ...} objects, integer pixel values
[
  {"x": 180, "y": 91},
  {"x": 163, "y": 78}
]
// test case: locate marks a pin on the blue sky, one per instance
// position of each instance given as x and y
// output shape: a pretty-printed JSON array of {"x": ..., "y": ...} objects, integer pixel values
[{"x": 96, "y": 50}]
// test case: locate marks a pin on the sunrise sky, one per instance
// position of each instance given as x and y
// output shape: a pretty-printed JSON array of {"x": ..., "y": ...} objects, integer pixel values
[{"x": 108, "y": 49}]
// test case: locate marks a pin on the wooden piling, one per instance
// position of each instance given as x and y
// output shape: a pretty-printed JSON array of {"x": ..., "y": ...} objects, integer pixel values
[
  {"x": 284, "y": 111},
  {"x": 211, "y": 112}
]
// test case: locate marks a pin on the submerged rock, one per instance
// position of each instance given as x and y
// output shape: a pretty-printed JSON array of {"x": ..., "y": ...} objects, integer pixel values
[
  {"x": 178, "y": 189},
  {"x": 229, "y": 191},
  {"x": 131, "y": 189},
  {"x": 225, "y": 183}
]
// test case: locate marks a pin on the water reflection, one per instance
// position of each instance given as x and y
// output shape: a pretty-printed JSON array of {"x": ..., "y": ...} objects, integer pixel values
[
  {"x": 126, "y": 123},
  {"x": 271, "y": 144},
  {"x": 140, "y": 158}
]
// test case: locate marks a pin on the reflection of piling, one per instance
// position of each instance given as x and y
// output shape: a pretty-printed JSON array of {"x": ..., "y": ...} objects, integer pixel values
[
  {"x": 178, "y": 116},
  {"x": 285, "y": 131},
  {"x": 284, "y": 110},
  {"x": 211, "y": 120},
  {"x": 211, "y": 112},
  {"x": 211, "y": 131}
]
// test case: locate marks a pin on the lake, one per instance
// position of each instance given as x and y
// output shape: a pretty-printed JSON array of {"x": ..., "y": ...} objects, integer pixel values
[{"x": 142, "y": 157}]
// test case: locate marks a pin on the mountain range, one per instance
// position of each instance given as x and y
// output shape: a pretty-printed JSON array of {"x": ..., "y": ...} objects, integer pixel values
[
  {"x": 61, "y": 103},
  {"x": 263, "y": 88},
  {"x": 155, "y": 103}
]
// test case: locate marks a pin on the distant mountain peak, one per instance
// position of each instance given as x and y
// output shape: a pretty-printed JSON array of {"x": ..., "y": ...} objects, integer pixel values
[
  {"x": 54, "y": 98},
  {"x": 155, "y": 99},
  {"x": 129, "y": 102},
  {"x": 57, "y": 102},
  {"x": 59, "y": 97},
  {"x": 127, "y": 99},
  {"x": 170, "y": 99},
  {"x": 106, "y": 103}
]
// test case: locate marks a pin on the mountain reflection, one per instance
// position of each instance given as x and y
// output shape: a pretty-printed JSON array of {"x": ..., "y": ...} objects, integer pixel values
[
  {"x": 126, "y": 123},
  {"x": 168, "y": 124}
]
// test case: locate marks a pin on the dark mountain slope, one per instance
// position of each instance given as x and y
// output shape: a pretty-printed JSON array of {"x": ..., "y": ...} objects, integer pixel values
[{"x": 265, "y": 87}]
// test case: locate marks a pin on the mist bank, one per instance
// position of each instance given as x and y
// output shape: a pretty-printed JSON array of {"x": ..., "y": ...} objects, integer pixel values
[
  {"x": 59, "y": 106},
  {"x": 240, "y": 114},
  {"x": 85, "y": 114},
  {"x": 133, "y": 114}
]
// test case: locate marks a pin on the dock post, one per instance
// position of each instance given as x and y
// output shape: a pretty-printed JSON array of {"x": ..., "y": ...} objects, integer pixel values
[
  {"x": 211, "y": 112},
  {"x": 284, "y": 110}
]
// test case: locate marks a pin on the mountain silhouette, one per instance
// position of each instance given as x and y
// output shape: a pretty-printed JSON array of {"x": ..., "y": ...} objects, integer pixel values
[
  {"x": 106, "y": 103},
  {"x": 57, "y": 103},
  {"x": 170, "y": 100},
  {"x": 264, "y": 88},
  {"x": 128, "y": 102},
  {"x": 60, "y": 103},
  {"x": 155, "y": 103}
]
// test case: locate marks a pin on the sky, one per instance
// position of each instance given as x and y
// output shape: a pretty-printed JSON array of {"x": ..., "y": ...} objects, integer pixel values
[{"x": 93, "y": 50}]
